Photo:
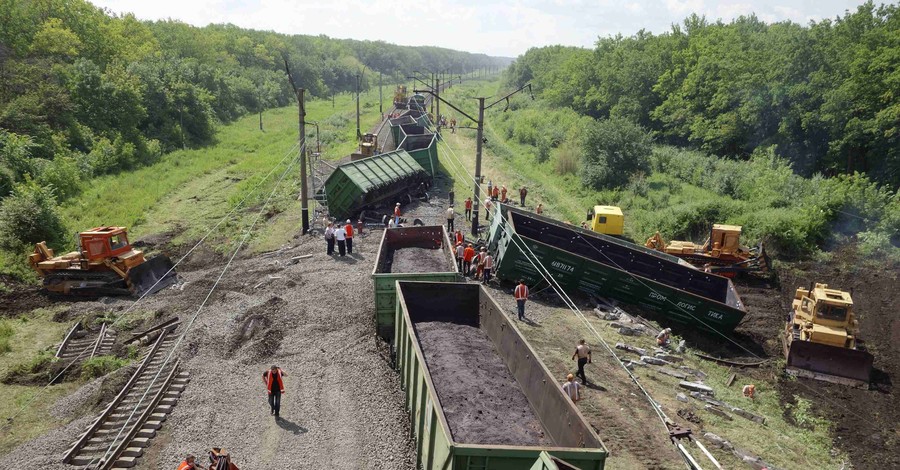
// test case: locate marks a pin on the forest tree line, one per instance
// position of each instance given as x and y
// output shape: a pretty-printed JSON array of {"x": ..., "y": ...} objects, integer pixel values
[{"x": 824, "y": 96}]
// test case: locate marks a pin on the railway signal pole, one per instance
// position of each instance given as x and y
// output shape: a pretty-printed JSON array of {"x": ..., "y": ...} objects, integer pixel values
[{"x": 480, "y": 140}]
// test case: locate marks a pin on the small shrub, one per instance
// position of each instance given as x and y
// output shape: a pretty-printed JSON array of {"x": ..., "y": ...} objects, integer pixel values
[
  {"x": 613, "y": 150},
  {"x": 28, "y": 216},
  {"x": 6, "y": 333},
  {"x": 100, "y": 366},
  {"x": 566, "y": 160}
]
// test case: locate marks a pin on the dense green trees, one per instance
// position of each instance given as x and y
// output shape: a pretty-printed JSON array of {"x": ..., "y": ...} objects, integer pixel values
[
  {"x": 613, "y": 151},
  {"x": 84, "y": 93},
  {"x": 824, "y": 95}
]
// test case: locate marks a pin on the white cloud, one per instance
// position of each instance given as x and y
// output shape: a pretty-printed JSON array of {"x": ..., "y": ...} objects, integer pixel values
[{"x": 497, "y": 27}]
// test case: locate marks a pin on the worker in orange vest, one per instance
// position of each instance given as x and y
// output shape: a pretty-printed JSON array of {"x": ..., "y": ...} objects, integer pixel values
[
  {"x": 459, "y": 237},
  {"x": 468, "y": 254},
  {"x": 496, "y": 194},
  {"x": 749, "y": 390},
  {"x": 503, "y": 194},
  {"x": 488, "y": 263},
  {"x": 397, "y": 215},
  {"x": 273, "y": 378},
  {"x": 468, "y": 208},
  {"x": 349, "y": 231},
  {"x": 188, "y": 463},
  {"x": 521, "y": 295}
]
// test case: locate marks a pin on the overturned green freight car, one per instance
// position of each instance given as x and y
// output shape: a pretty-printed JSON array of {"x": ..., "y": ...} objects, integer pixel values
[
  {"x": 596, "y": 264},
  {"x": 409, "y": 254},
  {"x": 477, "y": 395},
  {"x": 379, "y": 180}
]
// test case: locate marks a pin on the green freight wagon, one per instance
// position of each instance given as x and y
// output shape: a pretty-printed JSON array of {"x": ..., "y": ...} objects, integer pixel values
[
  {"x": 423, "y": 149},
  {"x": 477, "y": 395},
  {"x": 596, "y": 264},
  {"x": 370, "y": 182},
  {"x": 396, "y": 124},
  {"x": 430, "y": 246}
]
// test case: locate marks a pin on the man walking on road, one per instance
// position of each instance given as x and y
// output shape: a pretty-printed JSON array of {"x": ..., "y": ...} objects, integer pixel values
[
  {"x": 341, "y": 236},
  {"x": 348, "y": 229},
  {"x": 451, "y": 214},
  {"x": 583, "y": 352},
  {"x": 521, "y": 295},
  {"x": 468, "y": 208},
  {"x": 273, "y": 378},
  {"x": 572, "y": 388}
]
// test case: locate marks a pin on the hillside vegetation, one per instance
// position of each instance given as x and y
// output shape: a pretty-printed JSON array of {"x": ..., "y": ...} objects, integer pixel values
[
  {"x": 803, "y": 153},
  {"x": 823, "y": 95},
  {"x": 85, "y": 94}
]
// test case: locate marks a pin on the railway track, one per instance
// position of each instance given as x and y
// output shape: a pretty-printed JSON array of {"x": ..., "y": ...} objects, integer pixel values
[
  {"x": 81, "y": 344},
  {"x": 117, "y": 438}
]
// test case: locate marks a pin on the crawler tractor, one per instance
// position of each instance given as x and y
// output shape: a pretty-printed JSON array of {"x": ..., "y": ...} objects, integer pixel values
[
  {"x": 722, "y": 253},
  {"x": 400, "y": 98},
  {"x": 820, "y": 339},
  {"x": 105, "y": 264}
]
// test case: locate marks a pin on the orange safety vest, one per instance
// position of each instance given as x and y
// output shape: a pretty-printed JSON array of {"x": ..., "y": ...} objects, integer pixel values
[
  {"x": 468, "y": 254},
  {"x": 521, "y": 292},
  {"x": 270, "y": 378},
  {"x": 349, "y": 230},
  {"x": 496, "y": 191},
  {"x": 468, "y": 203},
  {"x": 459, "y": 237},
  {"x": 503, "y": 192},
  {"x": 397, "y": 211},
  {"x": 184, "y": 465}
]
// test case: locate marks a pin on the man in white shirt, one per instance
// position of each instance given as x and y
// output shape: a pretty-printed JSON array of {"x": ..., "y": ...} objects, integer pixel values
[
  {"x": 451, "y": 214},
  {"x": 329, "y": 238},
  {"x": 572, "y": 388},
  {"x": 341, "y": 236}
]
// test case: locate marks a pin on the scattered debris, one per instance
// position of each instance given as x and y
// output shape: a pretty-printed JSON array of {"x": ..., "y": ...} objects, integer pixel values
[
  {"x": 748, "y": 415},
  {"x": 689, "y": 415},
  {"x": 655, "y": 361},
  {"x": 673, "y": 373},
  {"x": 694, "y": 372},
  {"x": 702, "y": 397},
  {"x": 633, "y": 349},
  {"x": 296, "y": 259},
  {"x": 624, "y": 331},
  {"x": 718, "y": 411},
  {"x": 681, "y": 397},
  {"x": 604, "y": 315},
  {"x": 754, "y": 461},
  {"x": 668, "y": 357},
  {"x": 730, "y": 380},
  {"x": 730, "y": 362},
  {"x": 697, "y": 387}
]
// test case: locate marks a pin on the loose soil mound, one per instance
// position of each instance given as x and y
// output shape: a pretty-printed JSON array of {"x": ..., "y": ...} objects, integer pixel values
[
  {"x": 481, "y": 399},
  {"x": 416, "y": 260}
]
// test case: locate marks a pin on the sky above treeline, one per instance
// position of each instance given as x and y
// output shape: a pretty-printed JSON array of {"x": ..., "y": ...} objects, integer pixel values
[{"x": 499, "y": 28}]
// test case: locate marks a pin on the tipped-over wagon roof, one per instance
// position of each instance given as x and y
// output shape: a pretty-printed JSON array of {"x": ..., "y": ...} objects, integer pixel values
[{"x": 379, "y": 170}]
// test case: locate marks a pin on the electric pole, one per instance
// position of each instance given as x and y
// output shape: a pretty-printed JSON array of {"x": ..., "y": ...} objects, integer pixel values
[
  {"x": 478, "y": 142},
  {"x": 437, "y": 116},
  {"x": 304, "y": 191},
  {"x": 380, "y": 99},
  {"x": 358, "y": 135}
]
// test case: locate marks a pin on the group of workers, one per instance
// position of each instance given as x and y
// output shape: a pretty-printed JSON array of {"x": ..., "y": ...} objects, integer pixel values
[
  {"x": 342, "y": 235},
  {"x": 471, "y": 263},
  {"x": 218, "y": 460},
  {"x": 499, "y": 193}
]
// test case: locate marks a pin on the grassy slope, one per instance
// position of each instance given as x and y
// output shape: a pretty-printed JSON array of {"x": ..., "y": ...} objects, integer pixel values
[
  {"x": 32, "y": 333},
  {"x": 565, "y": 198}
]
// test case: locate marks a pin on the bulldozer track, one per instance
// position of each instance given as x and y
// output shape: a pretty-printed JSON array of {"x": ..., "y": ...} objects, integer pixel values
[
  {"x": 117, "y": 437},
  {"x": 81, "y": 344}
]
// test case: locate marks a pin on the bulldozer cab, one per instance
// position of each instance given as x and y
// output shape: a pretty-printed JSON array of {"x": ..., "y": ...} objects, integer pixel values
[
  {"x": 104, "y": 242},
  {"x": 368, "y": 144},
  {"x": 725, "y": 239},
  {"x": 607, "y": 220}
]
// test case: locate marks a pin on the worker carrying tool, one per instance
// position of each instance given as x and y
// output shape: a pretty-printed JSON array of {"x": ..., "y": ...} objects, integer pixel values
[
  {"x": 749, "y": 391},
  {"x": 188, "y": 463},
  {"x": 572, "y": 388},
  {"x": 662, "y": 339},
  {"x": 521, "y": 295},
  {"x": 583, "y": 353},
  {"x": 348, "y": 230},
  {"x": 274, "y": 380}
]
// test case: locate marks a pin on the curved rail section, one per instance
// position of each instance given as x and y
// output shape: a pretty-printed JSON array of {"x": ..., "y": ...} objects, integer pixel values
[
  {"x": 117, "y": 437},
  {"x": 81, "y": 344}
]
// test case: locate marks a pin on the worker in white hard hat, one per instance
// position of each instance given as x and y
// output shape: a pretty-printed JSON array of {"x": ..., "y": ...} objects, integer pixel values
[
  {"x": 662, "y": 339},
  {"x": 397, "y": 215},
  {"x": 348, "y": 229}
]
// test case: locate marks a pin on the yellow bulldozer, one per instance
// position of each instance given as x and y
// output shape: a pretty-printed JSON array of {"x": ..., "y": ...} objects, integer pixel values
[
  {"x": 722, "y": 253},
  {"x": 820, "y": 338},
  {"x": 105, "y": 264},
  {"x": 400, "y": 97}
]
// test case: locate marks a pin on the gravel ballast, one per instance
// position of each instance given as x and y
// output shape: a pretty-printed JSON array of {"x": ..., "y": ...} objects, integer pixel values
[{"x": 481, "y": 399}]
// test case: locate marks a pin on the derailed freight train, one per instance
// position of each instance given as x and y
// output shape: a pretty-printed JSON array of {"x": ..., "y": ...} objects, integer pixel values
[{"x": 596, "y": 264}]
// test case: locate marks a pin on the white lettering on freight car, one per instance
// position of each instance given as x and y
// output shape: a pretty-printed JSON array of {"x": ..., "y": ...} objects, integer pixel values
[
  {"x": 716, "y": 315},
  {"x": 657, "y": 296},
  {"x": 687, "y": 306},
  {"x": 563, "y": 266}
]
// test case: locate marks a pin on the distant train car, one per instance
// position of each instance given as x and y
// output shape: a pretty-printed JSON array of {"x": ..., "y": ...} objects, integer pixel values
[
  {"x": 417, "y": 102},
  {"x": 400, "y": 99}
]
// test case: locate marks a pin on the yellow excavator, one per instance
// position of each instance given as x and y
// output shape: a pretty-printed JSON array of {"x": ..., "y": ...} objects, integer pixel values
[
  {"x": 105, "y": 264},
  {"x": 820, "y": 339},
  {"x": 722, "y": 253},
  {"x": 400, "y": 98}
]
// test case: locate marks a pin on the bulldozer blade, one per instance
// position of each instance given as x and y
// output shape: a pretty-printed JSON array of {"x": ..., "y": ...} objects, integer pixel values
[
  {"x": 829, "y": 363},
  {"x": 151, "y": 276}
]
